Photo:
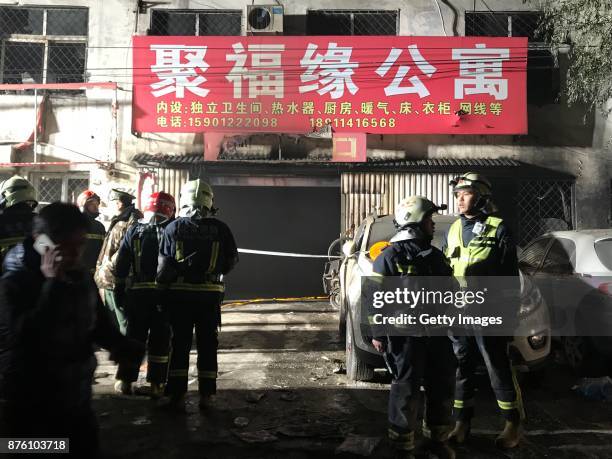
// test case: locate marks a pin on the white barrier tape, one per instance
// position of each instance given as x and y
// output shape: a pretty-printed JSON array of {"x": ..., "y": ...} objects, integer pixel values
[{"x": 286, "y": 254}]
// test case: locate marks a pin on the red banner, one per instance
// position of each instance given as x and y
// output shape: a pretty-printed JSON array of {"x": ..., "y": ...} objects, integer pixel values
[{"x": 425, "y": 85}]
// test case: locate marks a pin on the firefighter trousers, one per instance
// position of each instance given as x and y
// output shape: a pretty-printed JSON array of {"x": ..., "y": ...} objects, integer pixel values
[
  {"x": 147, "y": 322},
  {"x": 189, "y": 310},
  {"x": 494, "y": 351},
  {"x": 116, "y": 310},
  {"x": 415, "y": 362}
]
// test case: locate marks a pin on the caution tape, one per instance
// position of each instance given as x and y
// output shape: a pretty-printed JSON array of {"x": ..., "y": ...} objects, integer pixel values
[
  {"x": 274, "y": 300},
  {"x": 286, "y": 254}
]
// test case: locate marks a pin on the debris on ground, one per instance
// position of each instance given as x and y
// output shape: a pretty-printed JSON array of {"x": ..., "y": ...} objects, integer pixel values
[
  {"x": 241, "y": 421},
  {"x": 254, "y": 397},
  {"x": 258, "y": 436},
  {"x": 360, "y": 445},
  {"x": 339, "y": 369},
  {"x": 142, "y": 421},
  {"x": 101, "y": 375},
  {"x": 595, "y": 388},
  {"x": 288, "y": 396}
]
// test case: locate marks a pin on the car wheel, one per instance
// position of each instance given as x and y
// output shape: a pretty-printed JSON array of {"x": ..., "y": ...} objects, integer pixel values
[
  {"x": 578, "y": 352},
  {"x": 335, "y": 299},
  {"x": 356, "y": 369}
]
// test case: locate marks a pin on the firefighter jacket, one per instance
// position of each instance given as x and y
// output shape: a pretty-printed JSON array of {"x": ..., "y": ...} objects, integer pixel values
[
  {"x": 138, "y": 255},
  {"x": 408, "y": 258},
  {"x": 195, "y": 252},
  {"x": 15, "y": 225},
  {"x": 105, "y": 266},
  {"x": 481, "y": 246},
  {"x": 48, "y": 329},
  {"x": 95, "y": 239}
]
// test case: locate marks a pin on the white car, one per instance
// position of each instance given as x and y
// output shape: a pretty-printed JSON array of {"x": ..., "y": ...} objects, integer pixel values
[
  {"x": 529, "y": 348},
  {"x": 573, "y": 270}
]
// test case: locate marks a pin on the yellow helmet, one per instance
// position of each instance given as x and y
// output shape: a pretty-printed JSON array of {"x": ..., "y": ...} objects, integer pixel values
[
  {"x": 17, "y": 189},
  {"x": 197, "y": 194},
  {"x": 472, "y": 181},
  {"x": 414, "y": 209}
]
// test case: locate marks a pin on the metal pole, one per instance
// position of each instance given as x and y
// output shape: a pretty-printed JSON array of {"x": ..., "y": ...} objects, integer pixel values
[{"x": 35, "y": 122}]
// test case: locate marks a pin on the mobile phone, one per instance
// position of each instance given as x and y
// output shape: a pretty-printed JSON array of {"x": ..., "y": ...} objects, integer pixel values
[{"x": 42, "y": 243}]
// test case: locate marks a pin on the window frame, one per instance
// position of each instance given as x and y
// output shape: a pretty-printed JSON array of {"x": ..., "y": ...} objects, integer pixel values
[
  {"x": 352, "y": 13},
  {"x": 45, "y": 39},
  {"x": 36, "y": 177},
  {"x": 197, "y": 14}
]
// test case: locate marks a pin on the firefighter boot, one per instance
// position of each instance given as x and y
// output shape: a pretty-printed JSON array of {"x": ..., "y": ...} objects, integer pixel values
[
  {"x": 510, "y": 436},
  {"x": 206, "y": 402},
  {"x": 124, "y": 387},
  {"x": 157, "y": 390},
  {"x": 460, "y": 433}
]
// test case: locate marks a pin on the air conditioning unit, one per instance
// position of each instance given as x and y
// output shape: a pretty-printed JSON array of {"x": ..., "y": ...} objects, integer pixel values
[{"x": 264, "y": 18}]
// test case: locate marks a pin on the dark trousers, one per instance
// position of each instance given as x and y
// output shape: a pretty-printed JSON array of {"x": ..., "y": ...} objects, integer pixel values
[
  {"x": 117, "y": 310},
  {"x": 186, "y": 311},
  {"x": 147, "y": 322},
  {"x": 416, "y": 361},
  {"x": 494, "y": 351}
]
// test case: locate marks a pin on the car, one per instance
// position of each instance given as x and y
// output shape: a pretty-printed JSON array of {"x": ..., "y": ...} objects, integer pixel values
[
  {"x": 531, "y": 344},
  {"x": 573, "y": 270}
]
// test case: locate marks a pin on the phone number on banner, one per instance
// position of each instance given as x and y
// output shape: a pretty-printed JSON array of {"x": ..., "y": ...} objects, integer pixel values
[{"x": 257, "y": 122}]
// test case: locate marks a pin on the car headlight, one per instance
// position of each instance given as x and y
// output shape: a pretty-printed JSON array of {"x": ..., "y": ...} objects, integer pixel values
[
  {"x": 537, "y": 341},
  {"x": 531, "y": 298}
]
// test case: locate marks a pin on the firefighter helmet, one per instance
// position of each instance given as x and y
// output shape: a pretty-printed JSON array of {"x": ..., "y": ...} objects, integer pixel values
[
  {"x": 197, "y": 194},
  {"x": 120, "y": 195},
  {"x": 472, "y": 181},
  {"x": 86, "y": 196},
  {"x": 15, "y": 190},
  {"x": 161, "y": 203},
  {"x": 413, "y": 210}
]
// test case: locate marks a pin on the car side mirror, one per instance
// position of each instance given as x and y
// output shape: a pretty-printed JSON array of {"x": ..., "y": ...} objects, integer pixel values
[{"x": 348, "y": 248}]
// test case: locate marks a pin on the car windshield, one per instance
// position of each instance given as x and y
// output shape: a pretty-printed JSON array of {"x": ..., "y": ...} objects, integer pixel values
[
  {"x": 382, "y": 229},
  {"x": 603, "y": 249}
]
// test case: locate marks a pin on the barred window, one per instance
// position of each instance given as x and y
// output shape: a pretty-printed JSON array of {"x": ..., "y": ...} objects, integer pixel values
[
  {"x": 43, "y": 45},
  {"x": 196, "y": 22},
  {"x": 503, "y": 24},
  {"x": 352, "y": 22},
  {"x": 543, "y": 78},
  {"x": 52, "y": 187}
]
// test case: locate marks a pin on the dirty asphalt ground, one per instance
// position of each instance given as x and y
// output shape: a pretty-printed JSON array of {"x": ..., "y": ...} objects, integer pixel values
[{"x": 278, "y": 367}]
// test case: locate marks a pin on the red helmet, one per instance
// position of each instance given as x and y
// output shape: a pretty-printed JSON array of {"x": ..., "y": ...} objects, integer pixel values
[
  {"x": 161, "y": 203},
  {"x": 86, "y": 196}
]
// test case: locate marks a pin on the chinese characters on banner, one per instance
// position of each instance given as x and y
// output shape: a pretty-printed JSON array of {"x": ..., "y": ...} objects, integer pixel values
[{"x": 425, "y": 85}]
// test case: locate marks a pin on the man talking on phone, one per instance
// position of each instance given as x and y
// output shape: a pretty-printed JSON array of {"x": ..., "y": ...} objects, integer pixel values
[{"x": 51, "y": 316}]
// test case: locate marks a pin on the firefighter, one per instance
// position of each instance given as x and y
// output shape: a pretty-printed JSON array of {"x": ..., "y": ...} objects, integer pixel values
[
  {"x": 414, "y": 358},
  {"x": 479, "y": 244},
  {"x": 197, "y": 250},
  {"x": 127, "y": 216},
  {"x": 17, "y": 203},
  {"x": 146, "y": 316},
  {"x": 89, "y": 203}
]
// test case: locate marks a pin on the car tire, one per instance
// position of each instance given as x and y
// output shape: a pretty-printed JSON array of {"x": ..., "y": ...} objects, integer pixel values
[
  {"x": 335, "y": 299},
  {"x": 356, "y": 369}
]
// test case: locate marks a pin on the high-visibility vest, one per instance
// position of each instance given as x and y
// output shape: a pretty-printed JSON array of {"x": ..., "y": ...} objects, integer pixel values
[{"x": 478, "y": 250}]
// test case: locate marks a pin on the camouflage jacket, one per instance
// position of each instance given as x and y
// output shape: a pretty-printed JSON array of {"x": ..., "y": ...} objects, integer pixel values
[{"x": 105, "y": 267}]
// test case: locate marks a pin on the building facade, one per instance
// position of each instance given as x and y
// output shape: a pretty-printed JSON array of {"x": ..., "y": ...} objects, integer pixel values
[{"x": 70, "y": 137}]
